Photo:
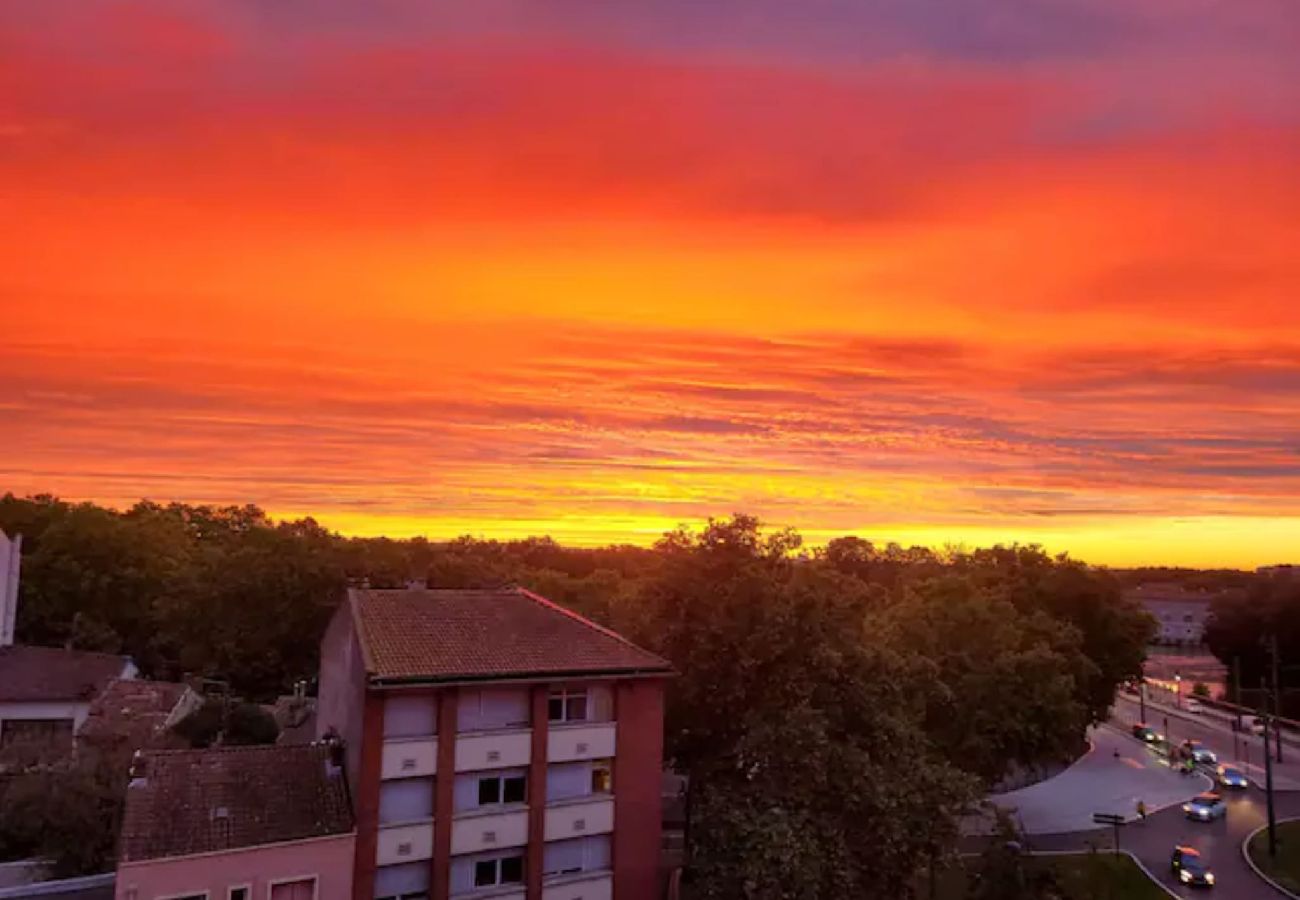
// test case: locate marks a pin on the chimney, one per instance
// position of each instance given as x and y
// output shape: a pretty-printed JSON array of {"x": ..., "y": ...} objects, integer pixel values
[{"x": 10, "y": 556}]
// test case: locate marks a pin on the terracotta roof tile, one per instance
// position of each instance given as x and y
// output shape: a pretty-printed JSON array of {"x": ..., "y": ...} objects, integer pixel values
[
  {"x": 445, "y": 635},
  {"x": 199, "y": 801},
  {"x": 38, "y": 674},
  {"x": 132, "y": 712}
]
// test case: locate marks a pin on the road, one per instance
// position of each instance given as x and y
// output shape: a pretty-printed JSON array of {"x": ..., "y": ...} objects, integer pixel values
[{"x": 1244, "y": 749}]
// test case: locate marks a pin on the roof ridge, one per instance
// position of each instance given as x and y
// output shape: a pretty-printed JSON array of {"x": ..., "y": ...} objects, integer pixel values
[
  {"x": 608, "y": 632},
  {"x": 233, "y": 748}
]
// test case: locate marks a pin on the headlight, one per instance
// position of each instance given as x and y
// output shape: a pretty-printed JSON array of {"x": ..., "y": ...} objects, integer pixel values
[
  {"x": 1209, "y": 878},
  {"x": 1185, "y": 875},
  {"x": 1187, "y": 807}
]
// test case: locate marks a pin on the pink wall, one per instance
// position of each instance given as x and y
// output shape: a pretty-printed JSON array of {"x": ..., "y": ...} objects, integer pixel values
[
  {"x": 341, "y": 695},
  {"x": 329, "y": 859}
]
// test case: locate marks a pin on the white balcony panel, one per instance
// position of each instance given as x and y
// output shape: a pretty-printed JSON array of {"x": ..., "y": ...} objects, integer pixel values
[
  {"x": 404, "y": 843},
  {"x": 498, "y": 750},
  {"x": 566, "y": 742},
  {"x": 577, "y": 887},
  {"x": 472, "y": 834},
  {"x": 409, "y": 758},
  {"x": 577, "y": 819}
]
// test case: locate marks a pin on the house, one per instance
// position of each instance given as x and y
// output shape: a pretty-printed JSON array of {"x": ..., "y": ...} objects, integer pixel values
[
  {"x": 497, "y": 745},
  {"x": 1180, "y": 613},
  {"x": 46, "y": 694},
  {"x": 134, "y": 714},
  {"x": 267, "y": 822}
]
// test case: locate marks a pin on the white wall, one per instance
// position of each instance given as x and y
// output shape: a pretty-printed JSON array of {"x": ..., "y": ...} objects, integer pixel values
[{"x": 75, "y": 710}]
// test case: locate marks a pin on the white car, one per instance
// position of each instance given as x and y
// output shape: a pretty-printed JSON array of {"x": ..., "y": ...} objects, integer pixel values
[{"x": 1194, "y": 706}]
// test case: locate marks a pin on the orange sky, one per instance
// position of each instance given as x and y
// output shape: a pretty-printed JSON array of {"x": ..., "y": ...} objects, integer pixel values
[{"x": 907, "y": 270}]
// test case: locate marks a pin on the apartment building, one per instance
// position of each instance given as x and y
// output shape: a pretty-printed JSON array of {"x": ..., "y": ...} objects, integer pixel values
[{"x": 497, "y": 745}]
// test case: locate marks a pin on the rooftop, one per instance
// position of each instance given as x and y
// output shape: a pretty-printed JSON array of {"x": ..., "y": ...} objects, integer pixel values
[
  {"x": 133, "y": 712},
  {"x": 457, "y": 635},
  {"x": 200, "y": 801},
  {"x": 43, "y": 674}
]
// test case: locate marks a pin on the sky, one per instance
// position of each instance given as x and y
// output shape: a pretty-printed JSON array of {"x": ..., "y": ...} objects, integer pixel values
[{"x": 918, "y": 270}]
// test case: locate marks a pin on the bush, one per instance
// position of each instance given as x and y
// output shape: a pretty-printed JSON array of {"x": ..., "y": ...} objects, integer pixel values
[
  {"x": 219, "y": 721},
  {"x": 248, "y": 723}
]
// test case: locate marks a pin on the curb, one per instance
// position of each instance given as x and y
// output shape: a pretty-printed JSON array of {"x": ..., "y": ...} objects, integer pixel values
[{"x": 1245, "y": 852}]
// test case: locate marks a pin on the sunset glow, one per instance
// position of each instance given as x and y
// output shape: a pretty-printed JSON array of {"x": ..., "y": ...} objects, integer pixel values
[{"x": 919, "y": 271}]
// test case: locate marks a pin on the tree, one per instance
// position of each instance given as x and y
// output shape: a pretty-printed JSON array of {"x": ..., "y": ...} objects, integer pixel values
[
  {"x": 997, "y": 685},
  {"x": 68, "y": 814},
  {"x": 810, "y": 774}
]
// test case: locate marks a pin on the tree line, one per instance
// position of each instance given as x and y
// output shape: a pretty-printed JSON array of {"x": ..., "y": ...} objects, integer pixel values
[{"x": 836, "y": 709}]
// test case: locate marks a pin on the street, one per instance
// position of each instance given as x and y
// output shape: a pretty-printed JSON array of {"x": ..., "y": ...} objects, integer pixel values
[{"x": 1120, "y": 768}]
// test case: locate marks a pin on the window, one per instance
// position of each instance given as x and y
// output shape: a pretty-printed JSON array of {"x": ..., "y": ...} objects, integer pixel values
[
  {"x": 500, "y": 870},
  {"x": 238, "y": 893},
  {"x": 567, "y": 705},
  {"x": 405, "y": 800},
  {"x": 492, "y": 708},
  {"x": 298, "y": 889},
  {"x": 38, "y": 734},
  {"x": 404, "y": 881},
  {"x": 584, "y": 854},
  {"x": 410, "y": 715},
  {"x": 494, "y": 789},
  {"x": 602, "y": 776}
]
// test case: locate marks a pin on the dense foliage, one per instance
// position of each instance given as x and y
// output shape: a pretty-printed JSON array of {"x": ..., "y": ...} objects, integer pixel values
[
  {"x": 1243, "y": 627},
  {"x": 835, "y": 710}
]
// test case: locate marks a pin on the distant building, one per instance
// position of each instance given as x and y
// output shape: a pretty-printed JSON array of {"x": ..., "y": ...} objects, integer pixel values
[
  {"x": 1286, "y": 570},
  {"x": 135, "y": 715},
  {"x": 1180, "y": 613},
  {"x": 497, "y": 745},
  {"x": 237, "y": 823}
]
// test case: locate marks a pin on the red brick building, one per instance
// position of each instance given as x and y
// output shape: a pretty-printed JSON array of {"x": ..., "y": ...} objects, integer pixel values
[{"x": 497, "y": 744}]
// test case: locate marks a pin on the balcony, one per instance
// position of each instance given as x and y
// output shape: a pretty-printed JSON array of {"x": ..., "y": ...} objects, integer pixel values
[
  {"x": 493, "y": 750},
  {"x": 404, "y": 843},
  {"x": 576, "y": 818},
  {"x": 476, "y": 832},
  {"x": 566, "y": 743},
  {"x": 409, "y": 757},
  {"x": 583, "y": 886}
]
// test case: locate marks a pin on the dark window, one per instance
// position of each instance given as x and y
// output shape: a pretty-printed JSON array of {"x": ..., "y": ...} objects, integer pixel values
[
  {"x": 577, "y": 709},
  {"x": 514, "y": 789},
  {"x": 489, "y": 791},
  {"x": 38, "y": 734},
  {"x": 239, "y": 893},
  {"x": 555, "y": 708},
  {"x": 512, "y": 870},
  {"x": 602, "y": 777},
  {"x": 485, "y": 873}
]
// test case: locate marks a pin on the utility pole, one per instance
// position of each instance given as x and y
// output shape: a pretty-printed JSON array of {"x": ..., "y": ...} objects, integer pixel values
[
  {"x": 1268, "y": 783},
  {"x": 1277, "y": 697},
  {"x": 1236, "y": 688},
  {"x": 1142, "y": 699}
]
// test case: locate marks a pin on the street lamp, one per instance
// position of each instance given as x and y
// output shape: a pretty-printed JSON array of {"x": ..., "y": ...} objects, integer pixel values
[{"x": 1178, "y": 690}]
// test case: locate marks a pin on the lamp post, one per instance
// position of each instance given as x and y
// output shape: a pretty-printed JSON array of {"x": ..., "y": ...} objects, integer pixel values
[{"x": 1178, "y": 691}]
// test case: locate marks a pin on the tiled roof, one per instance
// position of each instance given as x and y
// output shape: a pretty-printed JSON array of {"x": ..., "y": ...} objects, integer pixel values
[
  {"x": 444, "y": 635},
  {"x": 132, "y": 712},
  {"x": 199, "y": 801},
  {"x": 37, "y": 674}
]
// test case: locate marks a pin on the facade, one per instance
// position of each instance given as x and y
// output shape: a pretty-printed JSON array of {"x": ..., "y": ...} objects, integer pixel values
[
  {"x": 237, "y": 823},
  {"x": 497, "y": 745},
  {"x": 1179, "y": 613}
]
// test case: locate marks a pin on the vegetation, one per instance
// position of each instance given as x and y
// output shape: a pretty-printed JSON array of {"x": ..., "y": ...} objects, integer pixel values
[
  {"x": 1285, "y": 868},
  {"x": 1241, "y": 627},
  {"x": 229, "y": 723},
  {"x": 835, "y": 710}
]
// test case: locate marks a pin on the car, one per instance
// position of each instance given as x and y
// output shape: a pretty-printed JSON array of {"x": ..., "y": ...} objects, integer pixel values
[
  {"x": 1257, "y": 725},
  {"x": 1231, "y": 777},
  {"x": 1205, "y": 807},
  {"x": 1190, "y": 868},
  {"x": 1199, "y": 752},
  {"x": 1144, "y": 732},
  {"x": 1193, "y": 706}
]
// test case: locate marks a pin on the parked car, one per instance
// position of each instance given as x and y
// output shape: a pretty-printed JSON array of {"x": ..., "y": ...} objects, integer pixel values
[
  {"x": 1199, "y": 752},
  {"x": 1194, "y": 706},
  {"x": 1205, "y": 807},
  {"x": 1257, "y": 725},
  {"x": 1144, "y": 732},
  {"x": 1232, "y": 777},
  {"x": 1190, "y": 868}
]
